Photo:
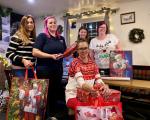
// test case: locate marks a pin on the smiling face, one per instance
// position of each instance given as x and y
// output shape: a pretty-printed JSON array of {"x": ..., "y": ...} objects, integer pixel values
[
  {"x": 30, "y": 25},
  {"x": 52, "y": 24},
  {"x": 102, "y": 29},
  {"x": 83, "y": 49},
  {"x": 83, "y": 33}
]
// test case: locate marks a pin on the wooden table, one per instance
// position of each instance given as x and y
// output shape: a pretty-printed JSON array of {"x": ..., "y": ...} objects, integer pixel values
[{"x": 129, "y": 83}]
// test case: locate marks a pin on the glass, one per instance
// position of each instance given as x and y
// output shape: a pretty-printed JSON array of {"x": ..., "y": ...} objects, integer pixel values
[
  {"x": 102, "y": 27},
  {"x": 84, "y": 48}
]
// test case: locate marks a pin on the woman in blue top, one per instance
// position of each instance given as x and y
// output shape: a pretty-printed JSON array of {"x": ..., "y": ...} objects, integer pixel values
[{"x": 49, "y": 46}]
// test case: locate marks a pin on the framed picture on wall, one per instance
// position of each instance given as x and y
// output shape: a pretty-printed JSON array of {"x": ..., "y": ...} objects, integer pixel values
[{"x": 127, "y": 18}]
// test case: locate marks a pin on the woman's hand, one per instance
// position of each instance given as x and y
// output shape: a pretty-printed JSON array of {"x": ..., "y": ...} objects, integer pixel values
[
  {"x": 54, "y": 56},
  {"x": 104, "y": 90},
  {"x": 27, "y": 63},
  {"x": 59, "y": 56},
  {"x": 94, "y": 93}
]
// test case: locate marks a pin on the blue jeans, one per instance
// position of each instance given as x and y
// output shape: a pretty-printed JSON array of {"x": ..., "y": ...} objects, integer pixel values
[{"x": 21, "y": 73}]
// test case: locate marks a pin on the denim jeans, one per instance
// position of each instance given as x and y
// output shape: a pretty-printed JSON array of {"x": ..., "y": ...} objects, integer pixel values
[{"x": 21, "y": 73}]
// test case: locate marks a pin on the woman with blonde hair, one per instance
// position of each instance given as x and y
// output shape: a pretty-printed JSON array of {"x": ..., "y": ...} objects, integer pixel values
[{"x": 20, "y": 46}]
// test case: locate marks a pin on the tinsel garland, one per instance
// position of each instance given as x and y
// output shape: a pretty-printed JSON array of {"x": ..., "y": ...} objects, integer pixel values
[
  {"x": 5, "y": 62},
  {"x": 136, "y": 35}
]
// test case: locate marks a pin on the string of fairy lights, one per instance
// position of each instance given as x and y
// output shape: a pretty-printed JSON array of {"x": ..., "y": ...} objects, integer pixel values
[{"x": 90, "y": 13}]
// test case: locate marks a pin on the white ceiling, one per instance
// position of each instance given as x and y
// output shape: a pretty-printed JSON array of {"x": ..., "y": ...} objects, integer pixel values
[{"x": 51, "y": 7}]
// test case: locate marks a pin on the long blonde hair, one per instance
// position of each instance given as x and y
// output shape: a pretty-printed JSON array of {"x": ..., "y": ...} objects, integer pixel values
[{"x": 22, "y": 31}]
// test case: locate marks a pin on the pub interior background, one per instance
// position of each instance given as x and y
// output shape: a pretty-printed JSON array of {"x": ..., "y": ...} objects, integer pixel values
[{"x": 122, "y": 16}]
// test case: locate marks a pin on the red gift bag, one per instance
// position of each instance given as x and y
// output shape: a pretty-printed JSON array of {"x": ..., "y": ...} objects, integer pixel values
[
  {"x": 28, "y": 98},
  {"x": 99, "y": 110}
]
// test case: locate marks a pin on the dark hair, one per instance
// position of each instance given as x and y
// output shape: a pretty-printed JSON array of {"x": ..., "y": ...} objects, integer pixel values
[
  {"x": 59, "y": 29},
  {"x": 103, "y": 23},
  {"x": 80, "y": 41},
  {"x": 83, "y": 28}
]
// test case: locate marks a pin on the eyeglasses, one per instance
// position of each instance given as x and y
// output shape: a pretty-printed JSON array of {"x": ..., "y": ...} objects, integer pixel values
[
  {"x": 102, "y": 27},
  {"x": 84, "y": 48}
]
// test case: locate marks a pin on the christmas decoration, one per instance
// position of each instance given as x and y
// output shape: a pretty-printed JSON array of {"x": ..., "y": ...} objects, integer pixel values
[
  {"x": 5, "y": 62},
  {"x": 4, "y": 96},
  {"x": 91, "y": 12},
  {"x": 136, "y": 35}
]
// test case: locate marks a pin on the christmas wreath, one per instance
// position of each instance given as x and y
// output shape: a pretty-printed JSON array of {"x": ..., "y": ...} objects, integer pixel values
[{"x": 136, "y": 35}]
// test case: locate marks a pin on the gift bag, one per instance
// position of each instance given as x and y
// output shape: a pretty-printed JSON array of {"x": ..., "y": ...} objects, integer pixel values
[
  {"x": 99, "y": 111},
  {"x": 28, "y": 98}
]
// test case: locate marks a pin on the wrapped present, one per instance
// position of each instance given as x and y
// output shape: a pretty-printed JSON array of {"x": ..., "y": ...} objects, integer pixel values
[
  {"x": 85, "y": 96},
  {"x": 113, "y": 97},
  {"x": 82, "y": 95},
  {"x": 70, "y": 50}
]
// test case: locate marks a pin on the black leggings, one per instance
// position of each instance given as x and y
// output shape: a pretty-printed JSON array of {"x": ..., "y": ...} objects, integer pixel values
[{"x": 56, "y": 91}]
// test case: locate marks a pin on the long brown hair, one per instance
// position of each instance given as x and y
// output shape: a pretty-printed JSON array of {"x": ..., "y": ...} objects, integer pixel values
[
  {"x": 87, "y": 36},
  {"x": 22, "y": 32}
]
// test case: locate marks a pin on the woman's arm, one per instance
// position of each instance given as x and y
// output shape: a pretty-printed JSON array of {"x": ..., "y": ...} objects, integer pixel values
[
  {"x": 11, "y": 51},
  {"x": 38, "y": 53}
]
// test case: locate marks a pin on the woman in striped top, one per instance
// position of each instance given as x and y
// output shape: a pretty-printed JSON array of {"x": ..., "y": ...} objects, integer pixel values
[{"x": 20, "y": 46}]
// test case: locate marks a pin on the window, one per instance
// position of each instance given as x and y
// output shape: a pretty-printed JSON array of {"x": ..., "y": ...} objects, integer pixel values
[{"x": 92, "y": 28}]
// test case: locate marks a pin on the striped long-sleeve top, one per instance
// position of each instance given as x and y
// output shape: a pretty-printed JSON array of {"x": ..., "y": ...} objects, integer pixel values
[{"x": 17, "y": 51}]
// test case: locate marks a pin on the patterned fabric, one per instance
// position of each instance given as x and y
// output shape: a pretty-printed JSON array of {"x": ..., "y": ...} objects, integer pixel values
[
  {"x": 102, "y": 49},
  {"x": 80, "y": 73},
  {"x": 17, "y": 51},
  {"x": 89, "y": 70}
]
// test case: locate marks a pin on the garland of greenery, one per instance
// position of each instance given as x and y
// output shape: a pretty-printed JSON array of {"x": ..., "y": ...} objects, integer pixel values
[{"x": 136, "y": 35}]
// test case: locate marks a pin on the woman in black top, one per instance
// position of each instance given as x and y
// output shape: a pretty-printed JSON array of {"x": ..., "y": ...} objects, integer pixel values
[
  {"x": 20, "y": 47},
  {"x": 49, "y": 46}
]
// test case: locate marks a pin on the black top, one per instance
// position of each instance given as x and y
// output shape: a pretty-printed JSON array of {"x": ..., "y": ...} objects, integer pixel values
[
  {"x": 52, "y": 45},
  {"x": 17, "y": 51}
]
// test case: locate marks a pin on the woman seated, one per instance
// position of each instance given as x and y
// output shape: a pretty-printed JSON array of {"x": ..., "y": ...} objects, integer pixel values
[{"x": 84, "y": 74}]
